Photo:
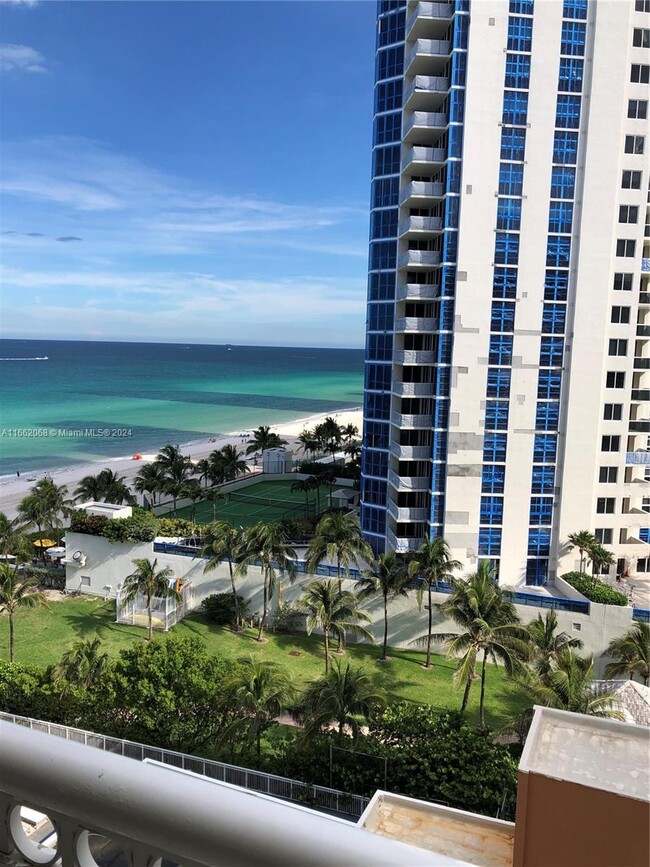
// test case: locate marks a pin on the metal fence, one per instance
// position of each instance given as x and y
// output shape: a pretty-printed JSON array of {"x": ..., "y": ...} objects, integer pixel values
[{"x": 317, "y": 797}]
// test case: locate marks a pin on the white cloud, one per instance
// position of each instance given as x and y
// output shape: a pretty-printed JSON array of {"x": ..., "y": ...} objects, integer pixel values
[
  {"x": 21, "y": 58},
  {"x": 20, "y": 2}
]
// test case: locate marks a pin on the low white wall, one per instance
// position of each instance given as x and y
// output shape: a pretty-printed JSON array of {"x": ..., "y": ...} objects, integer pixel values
[{"x": 109, "y": 563}]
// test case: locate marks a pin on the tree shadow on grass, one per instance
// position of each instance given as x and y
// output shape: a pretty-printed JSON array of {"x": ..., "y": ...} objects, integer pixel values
[{"x": 98, "y": 620}]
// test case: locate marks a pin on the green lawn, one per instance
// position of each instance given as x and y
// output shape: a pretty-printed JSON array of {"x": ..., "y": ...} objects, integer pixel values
[{"x": 43, "y": 634}]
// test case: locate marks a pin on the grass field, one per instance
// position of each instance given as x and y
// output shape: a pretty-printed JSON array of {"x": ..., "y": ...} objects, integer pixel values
[{"x": 43, "y": 634}]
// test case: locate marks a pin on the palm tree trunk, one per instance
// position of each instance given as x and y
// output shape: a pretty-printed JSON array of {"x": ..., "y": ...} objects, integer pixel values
[
  {"x": 385, "y": 627},
  {"x": 339, "y": 647},
  {"x": 428, "y": 662},
  {"x": 264, "y": 606},
  {"x": 481, "y": 706},
  {"x": 258, "y": 740},
  {"x": 150, "y": 620},
  {"x": 234, "y": 594},
  {"x": 11, "y": 636},
  {"x": 468, "y": 686},
  {"x": 327, "y": 650}
]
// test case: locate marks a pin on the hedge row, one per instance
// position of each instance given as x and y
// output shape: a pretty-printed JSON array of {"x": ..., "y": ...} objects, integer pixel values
[{"x": 594, "y": 589}]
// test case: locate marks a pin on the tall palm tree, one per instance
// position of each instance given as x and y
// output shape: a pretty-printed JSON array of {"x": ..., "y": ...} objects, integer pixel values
[
  {"x": 341, "y": 697},
  {"x": 203, "y": 470},
  {"x": 600, "y": 557},
  {"x": 217, "y": 467},
  {"x": 583, "y": 540},
  {"x": 33, "y": 511},
  {"x": 547, "y": 643},
  {"x": 305, "y": 486},
  {"x": 263, "y": 438},
  {"x": 170, "y": 456},
  {"x": 329, "y": 433},
  {"x": 333, "y": 612},
  {"x": 150, "y": 480},
  {"x": 84, "y": 664},
  {"x": 309, "y": 442},
  {"x": 338, "y": 538},
  {"x": 631, "y": 654},
  {"x": 13, "y": 539},
  {"x": 387, "y": 577},
  {"x": 115, "y": 488},
  {"x": 90, "y": 488},
  {"x": 233, "y": 463},
  {"x": 45, "y": 506},
  {"x": 431, "y": 564},
  {"x": 349, "y": 432},
  {"x": 151, "y": 582},
  {"x": 268, "y": 543},
  {"x": 261, "y": 691},
  {"x": 490, "y": 627},
  {"x": 214, "y": 496},
  {"x": 17, "y": 592},
  {"x": 224, "y": 542},
  {"x": 191, "y": 490}
]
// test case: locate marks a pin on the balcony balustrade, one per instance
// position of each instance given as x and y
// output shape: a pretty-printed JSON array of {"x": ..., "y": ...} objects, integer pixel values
[
  {"x": 424, "y": 126},
  {"x": 643, "y": 331},
  {"x": 644, "y": 298},
  {"x": 426, "y": 16},
  {"x": 422, "y": 193},
  {"x": 420, "y": 159},
  {"x": 639, "y": 426},
  {"x": 408, "y": 483},
  {"x": 641, "y": 457},
  {"x": 427, "y": 57},
  {"x": 645, "y": 265},
  {"x": 402, "y": 545},
  {"x": 416, "y": 227},
  {"x": 417, "y": 324},
  {"x": 417, "y": 292},
  {"x": 413, "y": 389},
  {"x": 641, "y": 394},
  {"x": 414, "y": 356},
  {"x": 413, "y": 453},
  {"x": 414, "y": 260},
  {"x": 407, "y": 513},
  {"x": 641, "y": 363},
  {"x": 426, "y": 92}
]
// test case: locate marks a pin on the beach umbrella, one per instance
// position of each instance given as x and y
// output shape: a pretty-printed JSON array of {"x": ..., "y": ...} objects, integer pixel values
[
  {"x": 137, "y": 456},
  {"x": 7, "y": 556},
  {"x": 56, "y": 552},
  {"x": 44, "y": 543}
]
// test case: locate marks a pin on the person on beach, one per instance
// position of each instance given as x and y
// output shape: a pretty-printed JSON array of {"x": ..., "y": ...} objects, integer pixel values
[{"x": 17, "y": 474}]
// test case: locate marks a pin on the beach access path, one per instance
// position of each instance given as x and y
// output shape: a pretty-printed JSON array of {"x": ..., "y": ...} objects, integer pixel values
[{"x": 13, "y": 489}]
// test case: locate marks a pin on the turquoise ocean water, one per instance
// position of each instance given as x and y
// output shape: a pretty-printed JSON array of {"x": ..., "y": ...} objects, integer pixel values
[{"x": 154, "y": 394}]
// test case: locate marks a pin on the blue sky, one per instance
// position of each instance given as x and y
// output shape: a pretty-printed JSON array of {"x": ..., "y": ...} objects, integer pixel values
[{"x": 186, "y": 171}]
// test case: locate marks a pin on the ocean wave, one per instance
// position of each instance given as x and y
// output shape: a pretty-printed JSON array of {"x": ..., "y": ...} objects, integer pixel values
[{"x": 34, "y": 358}]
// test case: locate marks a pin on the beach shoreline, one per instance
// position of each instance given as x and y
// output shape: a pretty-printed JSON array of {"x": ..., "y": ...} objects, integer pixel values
[{"x": 13, "y": 488}]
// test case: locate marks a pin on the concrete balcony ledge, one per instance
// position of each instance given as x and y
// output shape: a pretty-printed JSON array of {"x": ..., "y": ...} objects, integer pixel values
[
  {"x": 152, "y": 813},
  {"x": 427, "y": 56},
  {"x": 639, "y": 426},
  {"x": 426, "y": 125},
  {"x": 423, "y": 157},
  {"x": 417, "y": 292},
  {"x": 641, "y": 363},
  {"x": 414, "y": 356},
  {"x": 641, "y": 330},
  {"x": 410, "y": 453},
  {"x": 426, "y": 92},
  {"x": 407, "y": 513},
  {"x": 415, "y": 323},
  {"x": 425, "y": 13},
  {"x": 419, "y": 259},
  {"x": 422, "y": 192},
  {"x": 417, "y": 226},
  {"x": 409, "y": 483},
  {"x": 401, "y": 545},
  {"x": 411, "y": 421}
]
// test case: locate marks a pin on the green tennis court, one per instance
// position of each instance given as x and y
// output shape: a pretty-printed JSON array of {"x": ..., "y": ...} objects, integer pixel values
[{"x": 266, "y": 501}]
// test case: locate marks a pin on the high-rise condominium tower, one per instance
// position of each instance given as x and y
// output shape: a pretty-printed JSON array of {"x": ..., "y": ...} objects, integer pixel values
[{"x": 507, "y": 391}]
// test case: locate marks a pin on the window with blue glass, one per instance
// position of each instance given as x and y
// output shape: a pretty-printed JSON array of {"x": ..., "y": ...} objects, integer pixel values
[
  {"x": 521, "y": 7},
  {"x": 567, "y": 111},
  {"x": 441, "y": 381},
  {"x": 439, "y": 450},
  {"x": 517, "y": 71},
  {"x": 385, "y": 192},
  {"x": 391, "y": 29},
  {"x": 380, "y": 317},
  {"x": 457, "y": 106},
  {"x": 536, "y": 572},
  {"x": 375, "y": 463},
  {"x": 437, "y": 477},
  {"x": 551, "y": 352},
  {"x": 558, "y": 251},
  {"x": 571, "y": 74},
  {"x": 500, "y": 349},
  {"x": 511, "y": 179},
  {"x": 381, "y": 287},
  {"x": 453, "y": 176},
  {"x": 504, "y": 283},
  {"x": 541, "y": 510},
  {"x": 503, "y": 316},
  {"x": 513, "y": 142},
  {"x": 388, "y": 128},
  {"x": 437, "y": 512},
  {"x": 547, "y": 416},
  {"x": 378, "y": 405},
  {"x": 445, "y": 345},
  {"x": 515, "y": 107},
  {"x": 383, "y": 224},
  {"x": 506, "y": 249},
  {"x": 644, "y": 534},
  {"x": 451, "y": 212},
  {"x": 549, "y": 384},
  {"x": 544, "y": 448},
  {"x": 520, "y": 34},
  {"x": 543, "y": 479},
  {"x": 553, "y": 318},
  {"x": 378, "y": 376},
  {"x": 539, "y": 542},
  {"x": 493, "y": 478},
  {"x": 508, "y": 214},
  {"x": 390, "y": 62},
  {"x": 461, "y": 30},
  {"x": 498, "y": 381},
  {"x": 440, "y": 417},
  {"x": 380, "y": 347},
  {"x": 459, "y": 69},
  {"x": 387, "y": 6},
  {"x": 560, "y": 217},
  {"x": 376, "y": 435},
  {"x": 449, "y": 246},
  {"x": 374, "y": 491},
  {"x": 388, "y": 96},
  {"x": 573, "y": 38},
  {"x": 446, "y": 314},
  {"x": 374, "y": 520},
  {"x": 496, "y": 415},
  {"x": 489, "y": 541},
  {"x": 494, "y": 448},
  {"x": 556, "y": 285},
  {"x": 383, "y": 255},
  {"x": 386, "y": 161},
  {"x": 563, "y": 181},
  {"x": 491, "y": 511},
  {"x": 565, "y": 147},
  {"x": 574, "y": 9}
]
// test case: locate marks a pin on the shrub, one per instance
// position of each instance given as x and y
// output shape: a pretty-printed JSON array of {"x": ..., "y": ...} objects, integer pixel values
[
  {"x": 594, "y": 589},
  {"x": 313, "y": 468},
  {"x": 180, "y": 527},
  {"x": 289, "y": 620},
  {"x": 141, "y": 527},
  {"x": 91, "y": 525},
  {"x": 219, "y": 608}
]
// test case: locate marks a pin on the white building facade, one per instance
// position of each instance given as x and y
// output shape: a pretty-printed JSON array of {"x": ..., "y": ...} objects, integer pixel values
[{"x": 507, "y": 398}]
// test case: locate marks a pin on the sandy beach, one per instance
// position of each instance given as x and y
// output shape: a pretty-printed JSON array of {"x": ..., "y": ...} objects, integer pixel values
[{"x": 13, "y": 489}]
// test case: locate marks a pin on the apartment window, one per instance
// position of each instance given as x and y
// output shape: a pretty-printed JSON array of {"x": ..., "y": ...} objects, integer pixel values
[
  {"x": 549, "y": 384},
  {"x": 496, "y": 415},
  {"x": 375, "y": 463},
  {"x": 385, "y": 192},
  {"x": 500, "y": 350},
  {"x": 489, "y": 541},
  {"x": 539, "y": 543},
  {"x": 541, "y": 510},
  {"x": 642, "y": 5},
  {"x": 551, "y": 352},
  {"x": 498, "y": 382},
  {"x": 374, "y": 520},
  {"x": 640, "y": 73},
  {"x": 503, "y": 316},
  {"x": 608, "y": 475},
  {"x": 383, "y": 224},
  {"x": 623, "y": 282},
  {"x": 517, "y": 71},
  {"x": 605, "y": 505},
  {"x": 565, "y": 148},
  {"x": 391, "y": 29},
  {"x": 620, "y": 316},
  {"x": 388, "y": 128},
  {"x": 380, "y": 347},
  {"x": 494, "y": 448},
  {"x": 637, "y": 109},
  {"x": 511, "y": 178},
  {"x": 378, "y": 376},
  {"x": 604, "y": 535},
  {"x": 491, "y": 510},
  {"x": 574, "y": 9},
  {"x": 610, "y": 444},
  {"x": 520, "y": 34},
  {"x": 547, "y": 416},
  {"x": 571, "y": 73},
  {"x": 643, "y": 564},
  {"x": 504, "y": 283},
  {"x": 617, "y": 347},
  {"x": 628, "y": 214},
  {"x": 386, "y": 161},
  {"x": 563, "y": 182},
  {"x": 613, "y": 412},
  {"x": 573, "y": 38},
  {"x": 390, "y": 62},
  {"x": 506, "y": 249},
  {"x": 544, "y": 448},
  {"x": 513, "y": 141},
  {"x": 560, "y": 217},
  {"x": 553, "y": 319},
  {"x": 631, "y": 180},
  {"x": 556, "y": 285},
  {"x": 493, "y": 479},
  {"x": 641, "y": 37},
  {"x": 378, "y": 406},
  {"x": 376, "y": 435},
  {"x": 634, "y": 144},
  {"x": 558, "y": 251},
  {"x": 380, "y": 317},
  {"x": 388, "y": 96},
  {"x": 381, "y": 287},
  {"x": 515, "y": 107},
  {"x": 383, "y": 255},
  {"x": 567, "y": 112},
  {"x": 543, "y": 480},
  {"x": 508, "y": 214},
  {"x": 615, "y": 379},
  {"x": 625, "y": 248}
]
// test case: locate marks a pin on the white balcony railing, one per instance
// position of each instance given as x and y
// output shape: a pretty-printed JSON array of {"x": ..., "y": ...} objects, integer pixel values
[
  {"x": 645, "y": 265},
  {"x": 152, "y": 812}
]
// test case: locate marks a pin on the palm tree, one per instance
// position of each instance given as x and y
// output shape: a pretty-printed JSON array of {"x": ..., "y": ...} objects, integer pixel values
[
  {"x": 490, "y": 627},
  {"x": 631, "y": 653},
  {"x": 13, "y": 539},
  {"x": 389, "y": 578},
  {"x": 151, "y": 582},
  {"x": 268, "y": 543},
  {"x": 44, "y": 506},
  {"x": 583, "y": 540},
  {"x": 17, "y": 592},
  {"x": 115, "y": 488},
  {"x": 308, "y": 441},
  {"x": 224, "y": 542},
  {"x": 338, "y": 538},
  {"x": 191, "y": 490},
  {"x": 304, "y": 485},
  {"x": 353, "y": 449},
  {"x": 341, "y": 696},
  {"x": 170, "y": 456},
  {"x": 262, "y": 439},
  {"x": 329, "y": 433},
  {"x": 333, "y": 612},
  {"x": 90, "y": 488},
  {"x": 233, "y": 463},
  {"x": 216, "y": 462},
  {"x": 600, "y": 557},
  {"x": 203, "y": 470},
  {"x": 32, "y": 510},
  {"x": 431, "y": 564},
  {"x": 547, "y": 643},
  {"x": 150, "y": 479},
  {"x": 262, "y": 691},
  {"x": 214, "y": 496},
  {"x": 349, "y": 432},
  {"x": 84, "y": 664}
]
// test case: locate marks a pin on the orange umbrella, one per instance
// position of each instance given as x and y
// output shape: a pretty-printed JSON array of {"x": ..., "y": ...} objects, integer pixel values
[
  {"x": 44, "y": 543},
  {"x": 137, "y": 456}
]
